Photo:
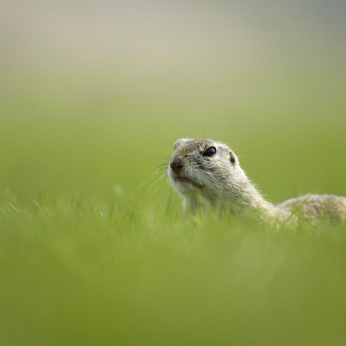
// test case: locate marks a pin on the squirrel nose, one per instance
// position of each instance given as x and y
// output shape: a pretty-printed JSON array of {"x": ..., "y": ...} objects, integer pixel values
[{"x": 176, "y": 164}]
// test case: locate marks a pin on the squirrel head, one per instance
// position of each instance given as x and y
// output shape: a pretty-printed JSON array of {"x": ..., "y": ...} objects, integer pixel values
[{"x": 202, "y": 165}]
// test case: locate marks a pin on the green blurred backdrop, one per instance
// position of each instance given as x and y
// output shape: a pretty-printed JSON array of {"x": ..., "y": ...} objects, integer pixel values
[{"x": 91, "y": 91}]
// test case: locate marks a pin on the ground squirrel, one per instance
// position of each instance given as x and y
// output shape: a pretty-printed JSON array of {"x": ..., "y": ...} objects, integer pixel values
[{"x": 203, "y": 169}]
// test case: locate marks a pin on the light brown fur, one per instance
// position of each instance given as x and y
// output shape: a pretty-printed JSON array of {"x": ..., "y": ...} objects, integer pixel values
[{"x": 219, "y": 179}]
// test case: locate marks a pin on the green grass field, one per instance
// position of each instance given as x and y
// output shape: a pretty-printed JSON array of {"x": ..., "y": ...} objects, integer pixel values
[{"x": 89, "y": 258}]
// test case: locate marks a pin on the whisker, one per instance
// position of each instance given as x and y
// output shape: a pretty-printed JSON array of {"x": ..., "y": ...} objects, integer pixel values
[
  {"x": 156, "y": 171},
  {"x": 164, "y": 152},
  {"x": 153, "y": 173},
  {"x": 159, "y": 168},
  {"x": 158, "y": 158},
  {"x": 162, "y": 177},
  {"x": 153, "y": 184},
  {"x": 163, "y": 155},
  {"x": 163, "y": 164}
]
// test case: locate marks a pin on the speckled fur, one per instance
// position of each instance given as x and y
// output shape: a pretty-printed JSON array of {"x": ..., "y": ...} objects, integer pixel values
[
  {"x": 316, "y": 207},
  {"x": 219, "y": 179}
]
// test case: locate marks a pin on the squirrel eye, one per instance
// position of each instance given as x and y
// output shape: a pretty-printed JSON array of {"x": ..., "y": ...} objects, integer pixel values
[{"x": 210, "y": 152}]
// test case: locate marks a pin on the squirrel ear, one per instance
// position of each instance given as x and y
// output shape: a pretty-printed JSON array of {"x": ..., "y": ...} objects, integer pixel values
[{"x": 232, "y": 157}]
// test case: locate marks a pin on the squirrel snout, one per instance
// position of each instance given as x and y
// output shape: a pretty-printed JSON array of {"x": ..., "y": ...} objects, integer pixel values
[{"x": 176, "y": 164}]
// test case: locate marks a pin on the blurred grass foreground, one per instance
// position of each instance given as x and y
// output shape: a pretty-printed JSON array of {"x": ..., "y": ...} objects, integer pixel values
[{"x": 93, "y": 96}]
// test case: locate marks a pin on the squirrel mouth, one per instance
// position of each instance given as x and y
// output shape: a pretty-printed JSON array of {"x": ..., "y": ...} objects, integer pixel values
[{"x": 184, "y": 180}]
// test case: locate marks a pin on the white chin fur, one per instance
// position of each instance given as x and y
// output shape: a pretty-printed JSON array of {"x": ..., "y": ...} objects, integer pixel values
[{"x": 182, "y": 188}]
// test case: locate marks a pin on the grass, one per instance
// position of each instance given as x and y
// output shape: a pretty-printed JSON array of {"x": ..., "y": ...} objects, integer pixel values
[{"x": 84, "y": 272}]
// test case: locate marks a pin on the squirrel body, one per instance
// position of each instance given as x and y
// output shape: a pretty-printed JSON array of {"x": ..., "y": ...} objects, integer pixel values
[{"x": 206, "y": 170}]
